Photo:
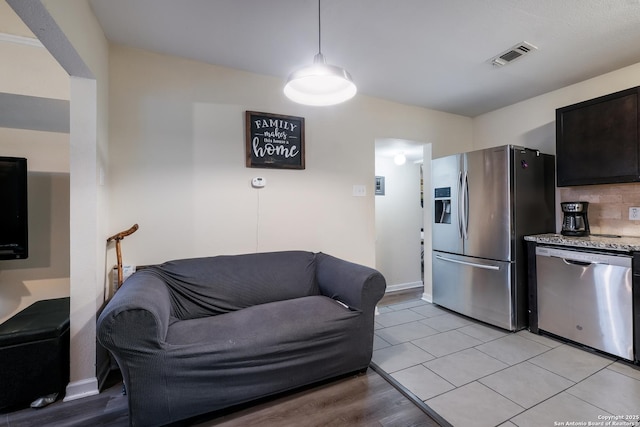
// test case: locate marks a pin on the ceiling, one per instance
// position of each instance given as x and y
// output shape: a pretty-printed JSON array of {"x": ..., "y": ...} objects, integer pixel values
[{"x": 430, "y": 53}]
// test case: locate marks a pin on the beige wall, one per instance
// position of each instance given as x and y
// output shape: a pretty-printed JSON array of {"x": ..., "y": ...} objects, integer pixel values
[
  {"x": 45, "y": 274},
  {"x": 32, "y": 71},
  {"x": 177, "y": 167},
  {"x": 10, "y": 23},
  {"x": 531, "y": 123},
  {"x": 28, "y": 70}
]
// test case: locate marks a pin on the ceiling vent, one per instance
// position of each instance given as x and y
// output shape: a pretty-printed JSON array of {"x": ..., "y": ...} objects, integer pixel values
[{"x": 517, "y": 51}]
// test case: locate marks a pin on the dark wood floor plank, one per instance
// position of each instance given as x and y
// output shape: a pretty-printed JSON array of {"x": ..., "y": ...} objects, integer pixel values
[
  {"x": 108, "y": 408},
  {"x": 364, "y": 400},
  {"x": 357, "y": 400}
]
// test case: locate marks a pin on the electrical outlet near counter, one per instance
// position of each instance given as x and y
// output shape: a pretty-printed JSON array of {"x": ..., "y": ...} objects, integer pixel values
[{"x": 634, "y": 213}]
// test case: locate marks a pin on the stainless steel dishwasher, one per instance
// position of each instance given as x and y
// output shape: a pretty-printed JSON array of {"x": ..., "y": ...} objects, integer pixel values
[{"x": 586, "y": 297}]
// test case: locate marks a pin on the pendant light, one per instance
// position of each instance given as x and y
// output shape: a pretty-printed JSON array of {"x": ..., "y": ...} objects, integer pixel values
[{"x": 320, "y": 83}]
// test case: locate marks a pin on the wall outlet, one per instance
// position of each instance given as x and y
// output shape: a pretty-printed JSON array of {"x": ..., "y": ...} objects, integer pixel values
[{"x": 634, "y": 213}]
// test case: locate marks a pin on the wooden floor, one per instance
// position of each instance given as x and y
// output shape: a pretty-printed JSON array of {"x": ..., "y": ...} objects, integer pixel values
[
  {"x": 357, "y": 400},
  {"x": 363, "y": 400},
  {"x": 108, "y": 408}
]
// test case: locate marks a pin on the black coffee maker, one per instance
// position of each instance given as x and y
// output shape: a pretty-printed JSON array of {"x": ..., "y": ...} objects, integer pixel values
[{"x": 575, "y": 222}]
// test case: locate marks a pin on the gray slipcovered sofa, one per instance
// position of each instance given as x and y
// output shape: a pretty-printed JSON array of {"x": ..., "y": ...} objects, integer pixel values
[{"x": 196, "y": 335}]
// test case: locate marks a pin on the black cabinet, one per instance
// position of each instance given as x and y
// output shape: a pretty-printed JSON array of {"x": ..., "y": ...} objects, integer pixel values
[
  {"x": 34, "y": 353},
  {"x": 597, "y": 140}
]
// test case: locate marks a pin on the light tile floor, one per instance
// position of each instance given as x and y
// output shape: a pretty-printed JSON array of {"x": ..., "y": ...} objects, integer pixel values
[{"x": 476, "y": 375}]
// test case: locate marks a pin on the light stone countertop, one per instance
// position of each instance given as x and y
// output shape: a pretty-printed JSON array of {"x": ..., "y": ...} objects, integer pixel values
[{"x": 594, "y": 241}]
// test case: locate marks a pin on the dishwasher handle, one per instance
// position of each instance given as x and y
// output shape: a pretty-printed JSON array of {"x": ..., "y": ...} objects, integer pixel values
[{"x": 580, "y": 263}]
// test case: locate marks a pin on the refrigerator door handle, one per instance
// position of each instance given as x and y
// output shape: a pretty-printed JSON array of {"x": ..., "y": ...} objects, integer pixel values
[
  {"x": 471, "y": 264},
  {"x": 460, "y": 205},
  {"x": 465, "y": 205}
]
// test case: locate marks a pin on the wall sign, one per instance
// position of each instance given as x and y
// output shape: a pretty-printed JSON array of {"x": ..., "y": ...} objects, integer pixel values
[{"x": 274, "y": 141}]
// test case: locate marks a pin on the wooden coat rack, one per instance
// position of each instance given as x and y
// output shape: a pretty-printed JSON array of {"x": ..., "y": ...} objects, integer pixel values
[{"x": 118, "y": 237}]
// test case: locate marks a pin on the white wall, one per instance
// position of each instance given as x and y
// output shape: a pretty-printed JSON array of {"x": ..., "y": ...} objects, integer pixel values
[
  {"x": 177, "y": 168},
  {"x": 398, "y": 223},
  {"x": 427, "y": 221}
]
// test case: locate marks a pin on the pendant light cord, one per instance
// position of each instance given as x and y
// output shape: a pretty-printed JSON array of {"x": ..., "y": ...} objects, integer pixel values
[
  {"x": 308, "y": 85},
  {"x": 319, "y": 30}
]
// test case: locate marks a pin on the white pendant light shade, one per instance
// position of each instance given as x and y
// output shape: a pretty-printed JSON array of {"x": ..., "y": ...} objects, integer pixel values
[{"x": 320, "y": 84}]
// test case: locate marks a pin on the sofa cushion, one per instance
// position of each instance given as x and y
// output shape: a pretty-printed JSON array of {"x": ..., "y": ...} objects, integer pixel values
[
  {"x": 263, "y": 350},
  {"x": 262, "y": 327},
  {"x": 202, "y": 287}
]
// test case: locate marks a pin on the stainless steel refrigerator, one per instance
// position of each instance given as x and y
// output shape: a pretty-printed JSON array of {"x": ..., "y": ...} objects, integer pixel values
[{"x": 484, "y": 203}]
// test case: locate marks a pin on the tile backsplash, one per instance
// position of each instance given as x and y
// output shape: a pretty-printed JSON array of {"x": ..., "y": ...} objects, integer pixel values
[{"x": 608, "y": 206}]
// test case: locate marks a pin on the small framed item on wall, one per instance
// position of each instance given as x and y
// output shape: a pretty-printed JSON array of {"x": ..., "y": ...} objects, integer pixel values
[
  {"x": 379, "y": 186},
  {"x": 274, "y": 141}
]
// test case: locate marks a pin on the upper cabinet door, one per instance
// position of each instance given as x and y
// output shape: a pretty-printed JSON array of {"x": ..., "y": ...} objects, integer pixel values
[{"x": 597, "y": 140}]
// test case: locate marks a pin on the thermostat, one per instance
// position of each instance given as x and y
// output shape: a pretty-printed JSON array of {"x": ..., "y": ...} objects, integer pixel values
[{"x": 258, "y": 182}]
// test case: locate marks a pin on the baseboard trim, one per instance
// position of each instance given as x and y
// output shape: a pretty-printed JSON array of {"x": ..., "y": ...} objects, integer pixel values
[
  {"x": 404, "y": 286},
  {"x": 79, "y": 389}
]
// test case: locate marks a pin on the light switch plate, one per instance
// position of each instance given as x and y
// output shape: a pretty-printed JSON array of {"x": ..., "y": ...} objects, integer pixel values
[
  {"x": 359, "y": 190},
  {"x": 634, "y": 213}
]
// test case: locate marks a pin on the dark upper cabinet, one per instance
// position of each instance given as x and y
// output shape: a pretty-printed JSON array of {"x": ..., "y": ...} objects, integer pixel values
[{"x": 597, "y": 140}]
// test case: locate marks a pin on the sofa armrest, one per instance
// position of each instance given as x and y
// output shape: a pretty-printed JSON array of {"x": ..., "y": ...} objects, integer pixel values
[
  {"x": 137, "y": 316},
  {"x": 355, "y": 285}
]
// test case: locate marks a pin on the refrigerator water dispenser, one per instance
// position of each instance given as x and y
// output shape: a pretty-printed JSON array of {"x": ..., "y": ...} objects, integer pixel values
[{"x": 442, "y": 208}]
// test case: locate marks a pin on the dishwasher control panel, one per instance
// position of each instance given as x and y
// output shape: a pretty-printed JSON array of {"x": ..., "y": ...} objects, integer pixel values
[{"x": 586, "y": 257}]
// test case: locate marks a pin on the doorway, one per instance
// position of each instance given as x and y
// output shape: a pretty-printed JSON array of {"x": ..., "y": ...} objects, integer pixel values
[{"x": 403, "y": 225}]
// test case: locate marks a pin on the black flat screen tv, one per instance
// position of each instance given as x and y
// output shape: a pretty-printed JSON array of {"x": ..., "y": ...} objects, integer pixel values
[{"x": 14, "y": 236}]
